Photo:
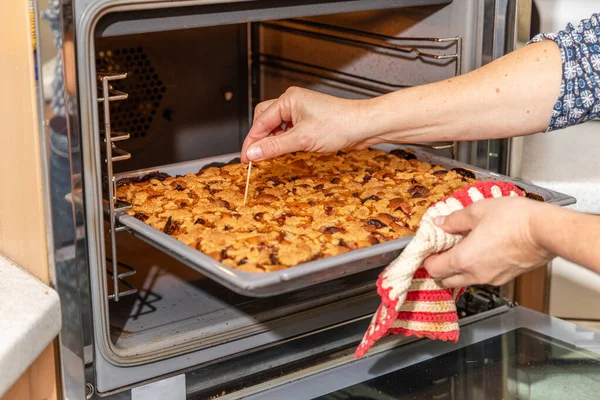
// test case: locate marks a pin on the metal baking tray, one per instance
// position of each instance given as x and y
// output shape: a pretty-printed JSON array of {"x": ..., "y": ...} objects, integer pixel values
[{"x": 272, "y": 283}]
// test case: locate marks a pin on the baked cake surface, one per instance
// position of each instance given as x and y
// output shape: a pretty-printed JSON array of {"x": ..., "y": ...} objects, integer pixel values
[{"x": 301, "y": 206}]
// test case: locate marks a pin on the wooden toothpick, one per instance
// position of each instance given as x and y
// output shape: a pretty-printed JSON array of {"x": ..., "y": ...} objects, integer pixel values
[{"x": 247, "y": 182}]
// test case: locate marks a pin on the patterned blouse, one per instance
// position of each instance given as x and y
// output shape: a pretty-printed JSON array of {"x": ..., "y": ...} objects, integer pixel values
[
  {"x": 579, "y": 99},
  {"x": 52, "y": 16}
]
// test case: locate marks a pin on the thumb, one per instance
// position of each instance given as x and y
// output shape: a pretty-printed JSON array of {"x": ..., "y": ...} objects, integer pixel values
[
  {"x": 458, "y": 222},
  {"x": 275, "y": 146}
]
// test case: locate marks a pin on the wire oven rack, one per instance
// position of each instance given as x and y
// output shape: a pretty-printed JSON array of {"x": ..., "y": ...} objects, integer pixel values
[
  {"x": 369, "y": 41},
  {"x": 310, "y": 273},
  {"x": 114, "y": 154}
]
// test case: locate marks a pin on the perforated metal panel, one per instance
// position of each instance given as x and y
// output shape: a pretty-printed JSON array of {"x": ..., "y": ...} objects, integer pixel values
[
  {"x": 188, "y": 93},
  {"x": 144, "y": 85}
]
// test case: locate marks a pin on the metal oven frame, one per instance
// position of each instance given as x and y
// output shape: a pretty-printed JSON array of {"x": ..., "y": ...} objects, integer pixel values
[{"x": 72, "y": 263}]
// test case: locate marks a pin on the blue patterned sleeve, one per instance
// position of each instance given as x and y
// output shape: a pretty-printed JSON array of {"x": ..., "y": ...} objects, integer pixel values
[
  {"x": 52, "y": 16},
  {"x": 579, "y": 99}
]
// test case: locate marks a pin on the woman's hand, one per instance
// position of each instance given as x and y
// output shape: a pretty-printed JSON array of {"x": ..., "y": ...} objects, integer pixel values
[
  {"x": 314, "y": 122},
  {"x": 522, "y": 86},
  {"x": 500, "y": 244}
]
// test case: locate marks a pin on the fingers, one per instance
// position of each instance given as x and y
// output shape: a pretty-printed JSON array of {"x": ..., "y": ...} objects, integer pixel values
[
  {"x": 457, "y": 281},
  {"x": 262, "y": 107},
  {"x": 277, "y": 145},
  {"x": 445, "y": 268},
  {"x": 442, "y": 265},
  {"x": 458, "y": 222},
  {"x": 271, "y": 115},
  {"x": 456, "y": 261},
  {"x": 268, "y": 118}
]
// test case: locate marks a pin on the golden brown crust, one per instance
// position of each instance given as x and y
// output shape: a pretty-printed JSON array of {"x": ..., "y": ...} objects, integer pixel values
[{"x": 301, "y": 206}]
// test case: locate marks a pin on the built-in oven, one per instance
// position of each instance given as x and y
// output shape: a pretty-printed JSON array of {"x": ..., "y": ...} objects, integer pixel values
[{"x": 134, "y": 85}]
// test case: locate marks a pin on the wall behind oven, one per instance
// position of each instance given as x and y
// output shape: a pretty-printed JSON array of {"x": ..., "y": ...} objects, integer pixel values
[{"x": 567, "y": 161}]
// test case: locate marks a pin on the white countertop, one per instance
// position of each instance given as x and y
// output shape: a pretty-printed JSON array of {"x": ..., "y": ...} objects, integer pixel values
[{"x": 29, "y": 320}]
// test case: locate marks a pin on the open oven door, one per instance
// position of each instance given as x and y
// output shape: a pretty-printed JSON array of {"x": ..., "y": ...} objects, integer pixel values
[
  {"x": 514, "y": 353},
  {"x": 172, "y": 335}
]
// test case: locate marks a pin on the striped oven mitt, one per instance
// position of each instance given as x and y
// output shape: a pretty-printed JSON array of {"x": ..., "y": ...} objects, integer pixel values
[{"x": 413, "y": 303}]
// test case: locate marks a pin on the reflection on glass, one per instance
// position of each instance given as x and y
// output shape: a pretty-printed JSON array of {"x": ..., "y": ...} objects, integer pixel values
[{"x": 520, "y": 364}]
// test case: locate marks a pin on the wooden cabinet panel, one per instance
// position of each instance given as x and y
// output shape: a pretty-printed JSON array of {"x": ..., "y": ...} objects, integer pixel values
[
  {"x": 38, "y": 382},
  {"x": 22, "y": 221},
  {"x": 531, "y": 290}
]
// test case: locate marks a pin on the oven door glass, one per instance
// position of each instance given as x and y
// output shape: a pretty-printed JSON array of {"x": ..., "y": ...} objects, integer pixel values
[{"x": 519, "y": 364}]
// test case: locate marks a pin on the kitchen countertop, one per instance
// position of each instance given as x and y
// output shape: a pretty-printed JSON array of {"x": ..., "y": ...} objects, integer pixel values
[{"x": 29, "y": 320}]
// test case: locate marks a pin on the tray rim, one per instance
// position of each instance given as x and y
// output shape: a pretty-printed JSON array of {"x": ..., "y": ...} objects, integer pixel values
[{"x": 265, "y": 284}]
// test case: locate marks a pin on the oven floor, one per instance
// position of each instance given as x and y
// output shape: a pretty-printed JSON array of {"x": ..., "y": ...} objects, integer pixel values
[{"x": 176, "y": 307}]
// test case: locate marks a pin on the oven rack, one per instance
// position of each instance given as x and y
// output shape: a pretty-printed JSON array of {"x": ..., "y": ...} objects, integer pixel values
[
  {"x": 129, "y": 270},
  {"x": 374, "y": 42},
  {"x": 114, "y": 154},
  {"x": 273, "y": 283}
]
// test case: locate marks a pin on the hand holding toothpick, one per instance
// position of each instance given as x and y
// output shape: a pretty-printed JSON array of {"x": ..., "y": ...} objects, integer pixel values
[{"x": 247, "y": 182}]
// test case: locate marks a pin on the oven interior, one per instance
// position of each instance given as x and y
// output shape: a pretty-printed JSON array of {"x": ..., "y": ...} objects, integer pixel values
[
  {"x": 191, "y": 94},
  {"x": 192, "y": 91}
]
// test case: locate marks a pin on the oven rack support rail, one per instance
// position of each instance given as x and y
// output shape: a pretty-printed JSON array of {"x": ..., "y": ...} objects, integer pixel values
[
  {"x": 369, "y": 41},
  {"x": 114, "y": 154}
]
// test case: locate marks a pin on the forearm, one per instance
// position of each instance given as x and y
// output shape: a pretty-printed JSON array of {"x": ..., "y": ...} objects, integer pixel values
[
  {"x": 569, "y": 234},
  {"x": 512, "y": 96}
]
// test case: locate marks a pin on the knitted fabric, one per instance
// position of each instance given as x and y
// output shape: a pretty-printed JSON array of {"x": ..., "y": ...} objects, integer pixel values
[{"x": 412, "y": 302}]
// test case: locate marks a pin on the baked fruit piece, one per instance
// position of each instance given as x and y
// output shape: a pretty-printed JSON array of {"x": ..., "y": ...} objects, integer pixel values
[{"x": 301, "y": 206}]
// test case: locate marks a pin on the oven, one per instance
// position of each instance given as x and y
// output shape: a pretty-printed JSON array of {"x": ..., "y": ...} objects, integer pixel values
[{"x": 147, "y": 84}]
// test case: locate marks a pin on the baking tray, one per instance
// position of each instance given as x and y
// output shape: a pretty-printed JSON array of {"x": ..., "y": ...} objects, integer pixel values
[{"x": 277, "y": 282}]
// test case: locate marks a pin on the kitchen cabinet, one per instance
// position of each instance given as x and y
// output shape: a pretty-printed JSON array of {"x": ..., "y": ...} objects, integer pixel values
[{"x": 22, "y": 219}]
